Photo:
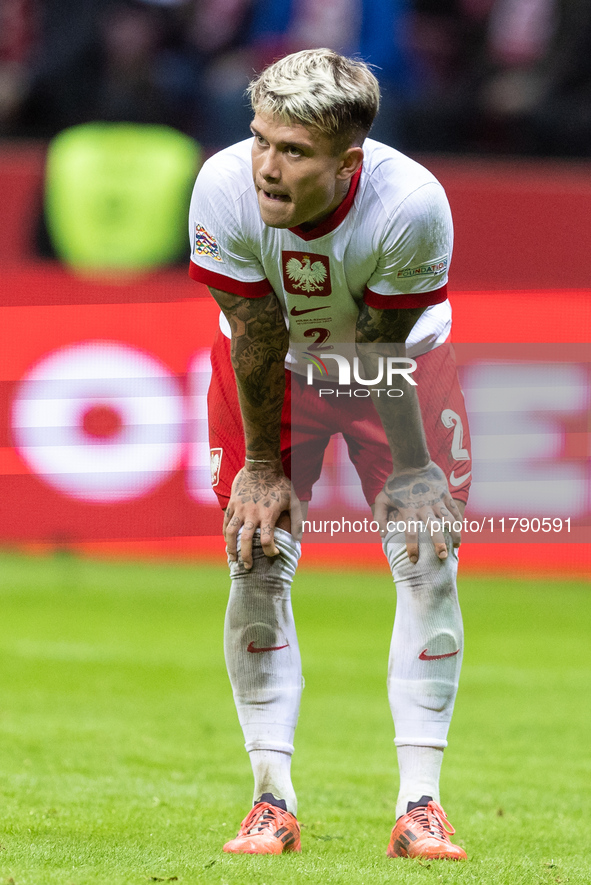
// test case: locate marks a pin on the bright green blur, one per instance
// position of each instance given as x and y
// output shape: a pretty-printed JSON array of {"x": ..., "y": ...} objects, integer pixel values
[{"x": 116, "y": 195}]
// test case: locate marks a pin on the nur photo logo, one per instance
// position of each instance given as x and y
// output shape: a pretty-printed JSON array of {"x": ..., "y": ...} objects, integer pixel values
[
  {"x": 314, "y": 361},
  {"x": 350, "y": 372}
]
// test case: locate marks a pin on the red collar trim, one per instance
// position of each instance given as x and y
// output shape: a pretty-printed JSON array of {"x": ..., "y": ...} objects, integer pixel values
[{"x": 335, "y": 218}]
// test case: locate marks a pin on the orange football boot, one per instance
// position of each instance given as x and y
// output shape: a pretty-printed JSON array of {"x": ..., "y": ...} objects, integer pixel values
[
  {"x": 424, "y": 832},
  {"x": 267, "y": 829}
]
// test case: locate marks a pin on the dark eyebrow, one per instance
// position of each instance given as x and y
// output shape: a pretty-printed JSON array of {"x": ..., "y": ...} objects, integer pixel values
[{"x": 301, "y": 146}]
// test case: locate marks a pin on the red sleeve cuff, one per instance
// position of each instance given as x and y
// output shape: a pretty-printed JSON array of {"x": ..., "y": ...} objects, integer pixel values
[
  {"x": 257, "y": 289},
  {"x": 416, "y": 299}
]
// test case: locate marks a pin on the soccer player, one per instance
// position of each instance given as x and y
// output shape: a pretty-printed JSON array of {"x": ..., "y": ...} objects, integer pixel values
[{"x": 309, "y": 220}]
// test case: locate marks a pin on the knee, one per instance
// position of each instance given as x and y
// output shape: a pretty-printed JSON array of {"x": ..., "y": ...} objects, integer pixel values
[
  {"x": 430, "y": 577},
  {"x": 268, "y": 572}
]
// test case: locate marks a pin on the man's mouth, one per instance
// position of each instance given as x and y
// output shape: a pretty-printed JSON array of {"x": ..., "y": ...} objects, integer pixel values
[{"x": 277, "y": 198}]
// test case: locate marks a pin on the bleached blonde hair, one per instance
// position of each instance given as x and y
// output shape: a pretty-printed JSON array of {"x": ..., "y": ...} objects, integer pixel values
[{"x": 319, "y": 88}]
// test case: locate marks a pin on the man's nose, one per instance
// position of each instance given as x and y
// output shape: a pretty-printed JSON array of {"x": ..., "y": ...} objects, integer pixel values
[{"x": 270, "y": 166}]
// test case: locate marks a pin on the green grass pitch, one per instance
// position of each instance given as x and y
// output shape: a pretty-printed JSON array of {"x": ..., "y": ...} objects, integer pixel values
[{"x": 121, "y": 759}]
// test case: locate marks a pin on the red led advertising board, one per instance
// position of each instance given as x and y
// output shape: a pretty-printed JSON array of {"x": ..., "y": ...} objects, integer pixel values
[{"x": 104, "y": 433}]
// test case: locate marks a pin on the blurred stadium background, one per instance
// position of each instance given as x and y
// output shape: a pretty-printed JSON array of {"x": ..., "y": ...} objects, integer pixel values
[{"x": 106, "y": 111}]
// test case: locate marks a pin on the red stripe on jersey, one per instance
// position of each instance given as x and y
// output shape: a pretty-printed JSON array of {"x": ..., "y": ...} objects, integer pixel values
[
  {"x": 334, "y": 219},
  {"x": 416, "y": 299},
  {"x": 256, "y": 289}
]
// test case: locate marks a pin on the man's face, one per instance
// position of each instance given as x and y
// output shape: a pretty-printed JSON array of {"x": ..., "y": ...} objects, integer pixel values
[{"x": 298, "y": 178}]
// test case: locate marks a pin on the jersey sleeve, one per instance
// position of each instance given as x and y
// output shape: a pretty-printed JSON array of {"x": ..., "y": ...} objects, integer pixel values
[
  {"x": 415, "y": 252},
  {"x": 220, "y": 256}
]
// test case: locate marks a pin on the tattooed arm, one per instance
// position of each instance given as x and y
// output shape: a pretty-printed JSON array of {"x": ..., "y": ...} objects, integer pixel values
[
  {"x": 261, "y": 492},
  {"x": 417, "y": 489}
]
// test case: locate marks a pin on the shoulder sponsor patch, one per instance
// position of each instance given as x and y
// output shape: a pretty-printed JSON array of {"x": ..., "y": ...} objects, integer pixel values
[
  {"x": 206, "y": 243},
  {"x": 430, "y": 268}
]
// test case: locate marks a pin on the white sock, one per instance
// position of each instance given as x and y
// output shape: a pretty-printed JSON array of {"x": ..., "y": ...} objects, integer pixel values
[
  {"x": 425, "y": 661},
  {"x": 419, "y": 775},
  {"x": 263, "y": 660},
  {"x": 272, "y": 774}
]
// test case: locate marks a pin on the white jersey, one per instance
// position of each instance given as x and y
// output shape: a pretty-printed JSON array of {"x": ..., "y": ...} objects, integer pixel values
[{"x": 388, "y": 244}]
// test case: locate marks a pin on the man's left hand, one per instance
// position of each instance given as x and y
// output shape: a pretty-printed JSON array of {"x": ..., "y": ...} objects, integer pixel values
[{"x": 416, "y": 495}]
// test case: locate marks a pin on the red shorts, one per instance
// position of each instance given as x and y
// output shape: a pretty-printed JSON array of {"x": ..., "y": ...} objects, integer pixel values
[{"x": 308, "y": 421}]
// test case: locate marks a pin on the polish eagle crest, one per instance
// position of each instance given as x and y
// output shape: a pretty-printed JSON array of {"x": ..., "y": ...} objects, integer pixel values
[{"x": 306, "y": 275}]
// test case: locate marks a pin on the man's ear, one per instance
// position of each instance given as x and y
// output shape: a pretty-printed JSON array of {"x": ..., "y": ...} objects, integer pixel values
[{"x": 349, "y": 162}]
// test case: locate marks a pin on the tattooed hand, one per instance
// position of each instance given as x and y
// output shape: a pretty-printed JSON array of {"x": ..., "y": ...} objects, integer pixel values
[
  {"x": 419, "y": 494},
  {"x": 260, "y": 494}
]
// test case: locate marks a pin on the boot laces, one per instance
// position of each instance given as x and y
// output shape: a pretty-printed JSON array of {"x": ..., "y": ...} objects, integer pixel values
[
  {"x": 433, "y": 818},
  {"x": 260, "y": 818}
]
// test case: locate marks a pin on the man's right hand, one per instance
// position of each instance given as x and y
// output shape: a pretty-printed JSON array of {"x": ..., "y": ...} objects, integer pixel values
[{"x": 261, "y": 493}]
